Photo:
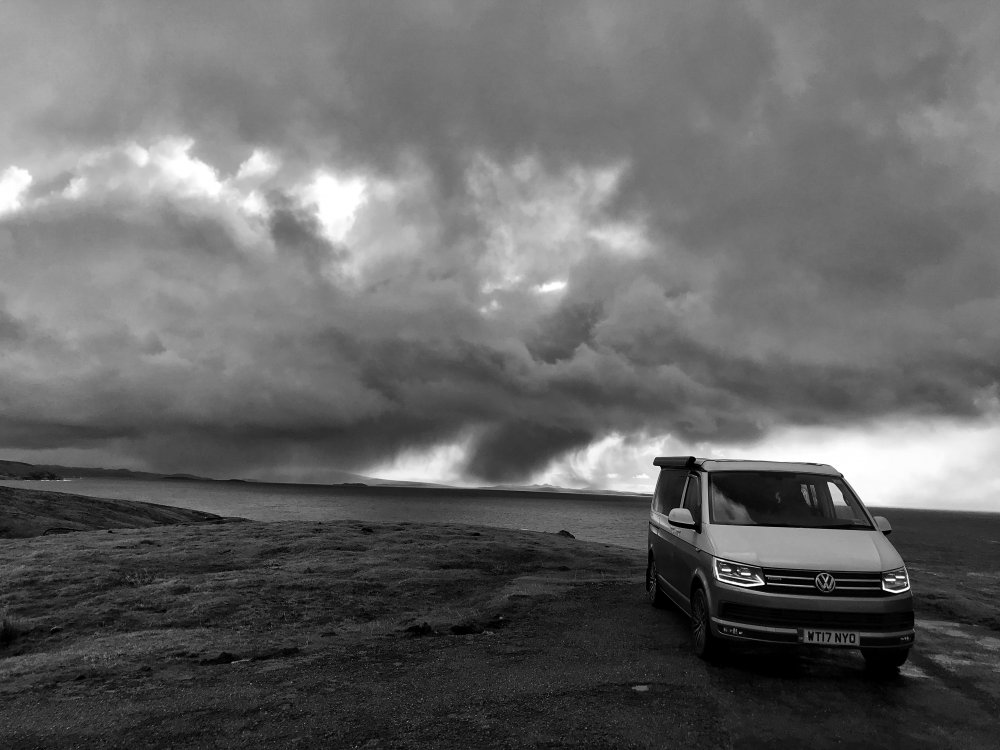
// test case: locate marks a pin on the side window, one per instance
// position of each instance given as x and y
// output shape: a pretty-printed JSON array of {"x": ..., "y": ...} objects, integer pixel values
[
  {"x": 657, "y": 505},
  {"x": 842, "y": 509},
  {"x": 692, "y": 498},
  {"x": 669, "y": 488}
]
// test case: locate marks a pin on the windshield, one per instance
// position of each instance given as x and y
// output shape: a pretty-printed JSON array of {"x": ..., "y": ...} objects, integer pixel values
[{"x": 770, "y": 498}]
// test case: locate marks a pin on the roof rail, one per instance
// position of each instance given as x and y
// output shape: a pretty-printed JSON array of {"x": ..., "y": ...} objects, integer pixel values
[{"x": 675, "y": 462}]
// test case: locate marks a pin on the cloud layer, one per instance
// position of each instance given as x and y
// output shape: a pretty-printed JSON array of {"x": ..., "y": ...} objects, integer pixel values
[{"x": 239, "y": 238}]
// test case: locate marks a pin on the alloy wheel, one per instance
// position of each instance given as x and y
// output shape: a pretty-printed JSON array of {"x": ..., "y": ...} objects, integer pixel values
[{"x": 699, "y": 622}]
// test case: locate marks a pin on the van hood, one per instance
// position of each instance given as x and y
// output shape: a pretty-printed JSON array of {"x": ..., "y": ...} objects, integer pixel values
[{"x": 853, "y": 550}]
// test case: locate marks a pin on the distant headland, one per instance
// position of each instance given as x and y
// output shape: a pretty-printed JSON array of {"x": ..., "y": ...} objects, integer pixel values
[{"x": 348, "y": 482}]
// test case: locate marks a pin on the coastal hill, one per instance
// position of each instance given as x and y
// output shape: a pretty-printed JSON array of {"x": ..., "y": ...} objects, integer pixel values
[
  {"x": 22, "y": 470},
  {"x": 28, "y": 513},
  {"x": 333, "y": 478}
]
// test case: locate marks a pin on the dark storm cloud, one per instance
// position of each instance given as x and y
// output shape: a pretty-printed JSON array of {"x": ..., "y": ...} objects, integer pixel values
[
  {"x": 560, "y": 334},
  {"x": 521, "y": 448},
  {"x": 11, "y": 329},
  {"x": 809, "y": 191}
]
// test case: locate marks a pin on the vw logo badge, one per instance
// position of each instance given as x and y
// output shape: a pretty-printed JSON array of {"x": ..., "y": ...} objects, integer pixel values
[{"x": 826, "y": 582}]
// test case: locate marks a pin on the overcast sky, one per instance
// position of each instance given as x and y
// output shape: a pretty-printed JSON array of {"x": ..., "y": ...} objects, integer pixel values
[{"x": 503, "y": 242}]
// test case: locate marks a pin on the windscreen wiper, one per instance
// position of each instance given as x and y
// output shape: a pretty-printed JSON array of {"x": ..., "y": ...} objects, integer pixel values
[{"x": 841, "y": 526}]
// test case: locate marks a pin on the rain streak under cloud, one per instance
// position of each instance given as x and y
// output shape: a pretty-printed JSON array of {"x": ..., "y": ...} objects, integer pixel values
[{"x": 500, "y": 241}]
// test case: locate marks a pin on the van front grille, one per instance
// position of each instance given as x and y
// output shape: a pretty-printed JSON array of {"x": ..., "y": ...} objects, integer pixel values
[
  {"x": 803, "y": 583},
  {"x": 800, "y": 618}
]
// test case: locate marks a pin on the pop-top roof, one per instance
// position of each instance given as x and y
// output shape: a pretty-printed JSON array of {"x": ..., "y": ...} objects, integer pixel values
[{"x": 729, "y": 464}]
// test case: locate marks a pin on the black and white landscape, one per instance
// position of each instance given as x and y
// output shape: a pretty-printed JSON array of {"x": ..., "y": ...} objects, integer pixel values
[{"x": 337, "y": 338}]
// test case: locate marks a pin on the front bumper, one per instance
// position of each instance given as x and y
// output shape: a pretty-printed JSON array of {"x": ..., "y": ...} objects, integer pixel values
[{"x": 747, "y": 615}]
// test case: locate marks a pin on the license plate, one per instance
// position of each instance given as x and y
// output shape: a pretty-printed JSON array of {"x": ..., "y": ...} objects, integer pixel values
[{"x": 829, "y": 638}]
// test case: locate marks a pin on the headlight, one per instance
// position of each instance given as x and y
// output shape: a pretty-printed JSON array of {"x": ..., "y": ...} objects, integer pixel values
[
  {"x": 738, "y": 574},
  {"x": 896, "y": 581}
]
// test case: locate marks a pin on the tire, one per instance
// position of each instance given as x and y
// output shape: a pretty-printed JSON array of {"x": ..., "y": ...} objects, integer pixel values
[
  {"x": 705, "y": 645},
  {"x": 653, "y": 593},
  {"x": 885, "y": 660}
]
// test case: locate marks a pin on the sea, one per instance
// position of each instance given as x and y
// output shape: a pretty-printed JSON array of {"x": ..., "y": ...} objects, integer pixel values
[
  {"x": 612, "y": 519},
  {"x": 618, "y": 519}
]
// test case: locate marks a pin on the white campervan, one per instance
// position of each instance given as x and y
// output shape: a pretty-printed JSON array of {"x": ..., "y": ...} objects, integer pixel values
[{"x": 781, "y": 553}]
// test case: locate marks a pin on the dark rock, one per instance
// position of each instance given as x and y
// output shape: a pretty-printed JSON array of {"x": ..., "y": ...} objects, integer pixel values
[
  {"x": 496, "y": 622},
  {"x": 466, "y": 628},
  {"x": 563, "y": 532},
  {"x": 367, "y": 530},
  {"x": 277, "y": 653},
  {"x": 418, "y": 631},
  {"x": 224, "y": 658}
]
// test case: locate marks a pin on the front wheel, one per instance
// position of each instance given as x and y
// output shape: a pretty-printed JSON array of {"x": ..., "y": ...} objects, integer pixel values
[
  {"x": 653, "y": 594},
  {"x": 885, "y": 659},
  {"x": 706, "y": 645}
]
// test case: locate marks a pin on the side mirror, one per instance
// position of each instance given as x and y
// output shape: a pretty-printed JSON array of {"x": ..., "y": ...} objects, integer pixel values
[
  {"x": 682, "y": 518},
  {"x": 883, "y": 525}
]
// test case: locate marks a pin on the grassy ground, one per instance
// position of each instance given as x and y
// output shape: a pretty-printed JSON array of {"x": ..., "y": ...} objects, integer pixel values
[
  {"x": 247, "y": 587},
  {"x": 952, "y": 559},
  {"x": 344, "y": 634},
  {"x": 144, "y": 612}
]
